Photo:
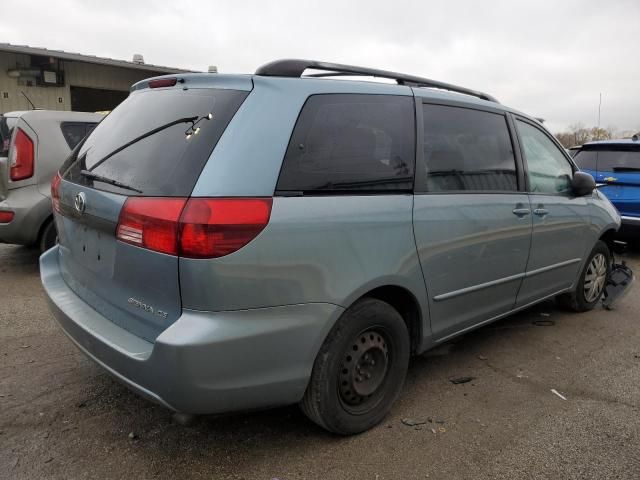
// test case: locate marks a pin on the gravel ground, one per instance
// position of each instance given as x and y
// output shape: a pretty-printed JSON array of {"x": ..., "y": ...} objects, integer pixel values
[{"x": 62, "y": 417}]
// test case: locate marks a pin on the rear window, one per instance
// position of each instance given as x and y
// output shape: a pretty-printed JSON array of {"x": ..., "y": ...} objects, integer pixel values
[
  {"x": 586, "y": 159},
  {"x": 162, "y": 138},
  {"x": 6, "y": 129},
  {"x": 74, "y": 132},
  {"x": 351, "y": 143},
  {"x": 611, "y": 158}
]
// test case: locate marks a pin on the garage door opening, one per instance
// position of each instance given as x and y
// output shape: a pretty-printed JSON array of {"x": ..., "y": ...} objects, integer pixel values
[{"x": 85, "y": 99}]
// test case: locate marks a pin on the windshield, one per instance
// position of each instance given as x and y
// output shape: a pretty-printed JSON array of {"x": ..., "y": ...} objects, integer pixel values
[
  {"x": 6, "y": 129},
  {"x": 155, "y": 154},
  {"x": 612, "y": 160}
]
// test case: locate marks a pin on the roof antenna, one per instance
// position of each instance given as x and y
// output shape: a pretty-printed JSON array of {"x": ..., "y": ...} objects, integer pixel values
[{"x": 33, "y": 107}]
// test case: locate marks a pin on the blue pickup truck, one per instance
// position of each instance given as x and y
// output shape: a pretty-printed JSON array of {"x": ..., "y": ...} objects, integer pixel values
[{"x": 615, "y": 165}]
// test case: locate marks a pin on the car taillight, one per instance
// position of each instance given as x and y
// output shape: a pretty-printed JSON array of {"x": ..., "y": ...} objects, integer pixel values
[
  {"x": 22, "y": 156},
  {"x": 55, "y": 192},
  {"x": 151, "y": 222},
  {"x": 5, "y": 216},
  {"x": 163, "y": 82},
  {"x": 215, "y": 227},
  {"x": 193, "y": 228}
]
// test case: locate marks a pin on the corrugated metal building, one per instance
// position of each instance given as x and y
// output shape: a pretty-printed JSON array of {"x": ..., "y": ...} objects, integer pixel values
[{"x": 57, "y": 80}]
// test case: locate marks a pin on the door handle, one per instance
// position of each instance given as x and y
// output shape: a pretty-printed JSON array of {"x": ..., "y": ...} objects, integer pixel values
[
  {"x": 541, "y": 212},
  {"x": 521, "y": 212}
]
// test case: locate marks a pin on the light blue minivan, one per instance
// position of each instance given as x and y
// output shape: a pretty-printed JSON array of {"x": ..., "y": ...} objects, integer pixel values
[{"x": 231, "y": 242}]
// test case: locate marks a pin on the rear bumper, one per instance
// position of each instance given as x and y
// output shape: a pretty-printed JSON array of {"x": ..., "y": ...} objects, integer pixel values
[
  {"x": 30, "y": 209},
  {"x": 205, "y": 362}
]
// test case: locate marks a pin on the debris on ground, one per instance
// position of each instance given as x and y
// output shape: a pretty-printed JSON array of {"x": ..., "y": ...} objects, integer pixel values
[
  {"x": 481, "y": 357},
  {"x": 555, "y": 392},
  {"x": 459, "y": 380},
  {"x": 25, "y": 346},
  {"x": 410, "y": 422},
  {"x": 544, "y": 314},
  {"x": 433, "y": 430},
  {"x": 544, "y": 323},
  {"x": 132, "y": 436}
]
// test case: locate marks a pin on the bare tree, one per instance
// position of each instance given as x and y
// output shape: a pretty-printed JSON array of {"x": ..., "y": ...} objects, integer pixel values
[{"x": 578, "y": 134}]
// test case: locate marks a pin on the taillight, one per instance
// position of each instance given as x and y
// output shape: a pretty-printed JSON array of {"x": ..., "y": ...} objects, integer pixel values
[
  {"x": 151, "y": 223},
  {"x": 55, "y": 192},
  {"x": 6, "y": 217},
  {"x": 22, "y": 156},
  {"x": 163, "y": 82},
  {"x": 193, "y": 228},
  {"x": 215, "y": 227}
]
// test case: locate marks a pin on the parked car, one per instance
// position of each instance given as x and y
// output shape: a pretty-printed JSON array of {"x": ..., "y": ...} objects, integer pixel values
[
  {"x": 615, "y": 164},
  {"x": 33, "y": 145},
  {"x": 232, "y": 242}
]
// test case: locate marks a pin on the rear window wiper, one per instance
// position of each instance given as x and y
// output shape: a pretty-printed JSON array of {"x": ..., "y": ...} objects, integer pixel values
[
  {"x": 626, "y": 169},
  {"x": 99, "y": 178},
  {"x": 193, "y": 121}
]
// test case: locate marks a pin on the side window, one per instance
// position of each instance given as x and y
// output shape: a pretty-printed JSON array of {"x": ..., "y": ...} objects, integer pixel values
[
  {"x": 466, "y": 149},
  {"x": 351, "y": 143},
  {"x": 548, "y": 169},
  {"x": 74, "y": 132}
]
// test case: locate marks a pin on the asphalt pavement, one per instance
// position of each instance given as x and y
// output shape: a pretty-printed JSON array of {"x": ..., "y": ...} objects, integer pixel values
[{"x": 551, "y": 395}]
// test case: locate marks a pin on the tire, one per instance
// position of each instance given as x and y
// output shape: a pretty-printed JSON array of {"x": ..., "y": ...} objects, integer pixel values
[
  {"x": 48, "y": 237},
  {"x": 581, "y": 300},
  {"x": 360, "y": 369}
]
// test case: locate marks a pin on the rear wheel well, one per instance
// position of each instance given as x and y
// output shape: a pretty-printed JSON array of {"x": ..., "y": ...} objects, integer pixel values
[{"x": 408, "y": 308}]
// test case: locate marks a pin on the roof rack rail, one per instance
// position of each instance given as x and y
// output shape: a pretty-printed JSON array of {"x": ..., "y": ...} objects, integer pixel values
[{"x": 296, "y": 67}]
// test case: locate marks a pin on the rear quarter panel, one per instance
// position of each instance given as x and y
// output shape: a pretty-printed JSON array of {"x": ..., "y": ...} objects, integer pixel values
[{"x": 315, "y": 249}]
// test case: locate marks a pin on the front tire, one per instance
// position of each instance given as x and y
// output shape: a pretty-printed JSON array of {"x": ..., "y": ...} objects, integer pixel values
[
  {"x": 591, "y": 282},
  {"x": 360, "y": 369}
]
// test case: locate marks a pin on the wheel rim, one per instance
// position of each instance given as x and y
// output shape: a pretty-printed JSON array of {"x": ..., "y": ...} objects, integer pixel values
[
  {"x": 595, "y": 278},
  {"x": 363, "y": 370}
]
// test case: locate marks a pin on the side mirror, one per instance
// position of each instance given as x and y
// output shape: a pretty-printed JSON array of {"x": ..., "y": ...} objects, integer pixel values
[{"x": 582, "y": 184}]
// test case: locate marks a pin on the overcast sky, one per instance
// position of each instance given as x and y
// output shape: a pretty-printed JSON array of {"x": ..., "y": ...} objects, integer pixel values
[{"x": 550, "y": 59}]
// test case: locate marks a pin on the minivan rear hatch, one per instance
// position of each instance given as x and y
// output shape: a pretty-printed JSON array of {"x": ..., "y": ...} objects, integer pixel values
[{"x": 154, "y": 144}]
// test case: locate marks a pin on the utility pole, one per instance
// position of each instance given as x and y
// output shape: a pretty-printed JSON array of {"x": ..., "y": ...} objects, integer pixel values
[{"x": 599, "y": 110}]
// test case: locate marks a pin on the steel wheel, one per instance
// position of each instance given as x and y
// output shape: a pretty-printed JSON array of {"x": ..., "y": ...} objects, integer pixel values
[
  {"x": 360, "y": 368},
  {"x": 363, "y": 370},
  {"x": 595, "y": 278}
]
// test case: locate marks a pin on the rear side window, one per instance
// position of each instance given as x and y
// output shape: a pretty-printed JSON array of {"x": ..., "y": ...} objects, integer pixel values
[
  {"x": 586, "y": 159},
  {"x": 6, "y": 129},
  {"x": 74, "y": 132},
  {"x": 466, "y": 149},
  {"x": 162, "y": 139},
  {"x": 351, "y": 143}
]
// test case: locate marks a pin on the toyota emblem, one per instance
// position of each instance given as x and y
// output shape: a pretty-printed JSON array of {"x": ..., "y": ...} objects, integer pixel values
[{"x": 80, "y": 202}]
